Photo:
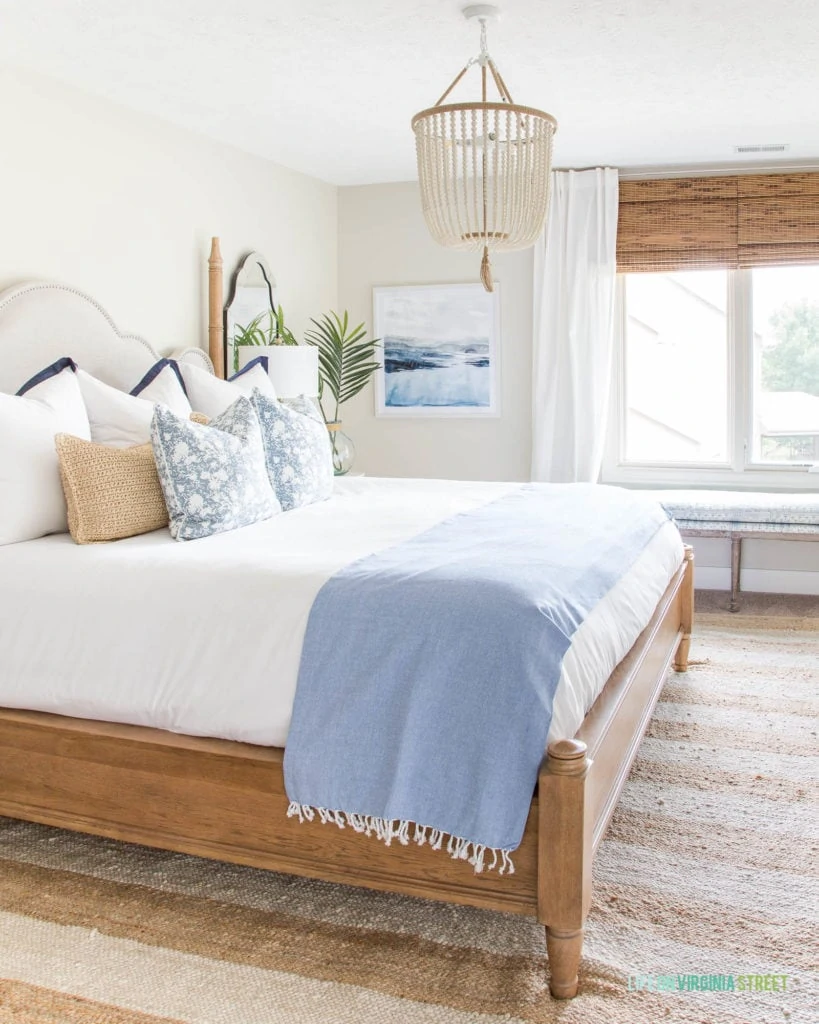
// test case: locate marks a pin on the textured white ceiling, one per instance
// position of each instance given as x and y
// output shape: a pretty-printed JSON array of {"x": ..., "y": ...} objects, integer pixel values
[{"x": 329, "y": 87}]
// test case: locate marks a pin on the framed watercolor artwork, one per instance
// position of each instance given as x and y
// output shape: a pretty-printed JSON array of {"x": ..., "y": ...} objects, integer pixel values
[{"x": 440, "y": 345}]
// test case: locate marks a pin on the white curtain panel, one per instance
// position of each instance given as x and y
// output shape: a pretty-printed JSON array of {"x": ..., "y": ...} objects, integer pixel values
[{"x": 574, "y": 287}]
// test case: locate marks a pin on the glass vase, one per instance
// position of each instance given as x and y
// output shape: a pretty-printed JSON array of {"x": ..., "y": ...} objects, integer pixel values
[{"x": 342, "y": 447}]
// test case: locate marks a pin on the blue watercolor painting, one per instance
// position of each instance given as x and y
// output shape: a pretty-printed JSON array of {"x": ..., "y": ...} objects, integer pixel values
[{"x": 439, "y": 348}]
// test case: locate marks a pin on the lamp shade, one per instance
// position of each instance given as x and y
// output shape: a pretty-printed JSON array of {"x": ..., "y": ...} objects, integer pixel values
[{"x": 293, "y": 369}]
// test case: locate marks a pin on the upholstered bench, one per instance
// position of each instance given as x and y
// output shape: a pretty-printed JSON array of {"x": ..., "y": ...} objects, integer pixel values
[{"x": 738, "y": 516}]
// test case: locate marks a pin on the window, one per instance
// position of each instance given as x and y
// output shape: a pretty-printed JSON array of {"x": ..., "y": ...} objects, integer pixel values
[
  {"x": 786, "y": 365},
  {"x": 718, "y": 378},
  {"x": 676, "y": 332}
]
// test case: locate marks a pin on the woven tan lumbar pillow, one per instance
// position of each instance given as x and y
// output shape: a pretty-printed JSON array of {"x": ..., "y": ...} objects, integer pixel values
[{"x": 111, "y": 493}]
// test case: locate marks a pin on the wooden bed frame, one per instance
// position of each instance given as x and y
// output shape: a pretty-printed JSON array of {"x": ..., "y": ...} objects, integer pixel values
[{"x": 226, "y": 800}]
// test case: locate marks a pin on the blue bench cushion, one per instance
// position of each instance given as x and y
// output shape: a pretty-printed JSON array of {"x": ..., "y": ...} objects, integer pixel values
[
  {"x": 693, "y": 526},
  {"x": 742, "y": 510}
]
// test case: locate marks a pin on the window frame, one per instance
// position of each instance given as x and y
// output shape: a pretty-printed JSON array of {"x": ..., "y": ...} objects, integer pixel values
[{"x": 739, "y": 472}]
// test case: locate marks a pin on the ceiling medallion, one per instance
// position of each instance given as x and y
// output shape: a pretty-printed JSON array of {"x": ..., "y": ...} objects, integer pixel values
[{"x": 484, "y": 167}]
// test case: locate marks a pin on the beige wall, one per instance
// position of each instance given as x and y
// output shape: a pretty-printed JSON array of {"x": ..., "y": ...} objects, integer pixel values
[
  {"x": 123, "y": 206},
  {"x": 383, "y": 241}
]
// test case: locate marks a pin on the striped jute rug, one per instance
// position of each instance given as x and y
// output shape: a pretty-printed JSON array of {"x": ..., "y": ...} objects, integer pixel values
[{"x": 708, "y": 870}]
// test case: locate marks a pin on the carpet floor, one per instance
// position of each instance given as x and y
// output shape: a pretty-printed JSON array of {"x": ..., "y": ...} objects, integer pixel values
[{"x": 709, "y": 869}]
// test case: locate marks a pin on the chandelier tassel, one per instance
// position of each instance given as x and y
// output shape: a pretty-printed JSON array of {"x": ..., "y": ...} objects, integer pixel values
[{"x": 486, "y": 271}]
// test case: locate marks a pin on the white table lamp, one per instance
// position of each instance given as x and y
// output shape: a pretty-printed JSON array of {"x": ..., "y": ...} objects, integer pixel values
[{"x": 293, "y": 369}]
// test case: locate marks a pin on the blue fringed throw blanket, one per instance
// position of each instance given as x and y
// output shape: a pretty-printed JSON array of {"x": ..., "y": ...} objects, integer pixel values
[{"x": 428, "y": 670}]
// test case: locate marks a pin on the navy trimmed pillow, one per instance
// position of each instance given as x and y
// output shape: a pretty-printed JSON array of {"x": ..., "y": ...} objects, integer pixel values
[
  {"x": 164, "y": 383},
  {"x": 65, "y": 363},
  {"x": 31, "y": 495},
  {"x": 119, "y": 419},
  {"x": 261, "y": 361},
  {"x": 212, "y": 396}
]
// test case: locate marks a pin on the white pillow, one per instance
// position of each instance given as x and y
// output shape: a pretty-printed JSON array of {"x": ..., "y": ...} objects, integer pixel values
[
  {"x": 117, "y": 420},
  {"x": 211, "y": 396},
  {"x": 120, "y": 420},
  {"x": 32, "y": 496},
  {"x": 163, "y": 383}
]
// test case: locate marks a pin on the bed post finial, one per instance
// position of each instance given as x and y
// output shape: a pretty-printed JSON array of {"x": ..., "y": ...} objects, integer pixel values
[
  {"x": 216, "y": 327},
  {"x": 567, "y": 757}
]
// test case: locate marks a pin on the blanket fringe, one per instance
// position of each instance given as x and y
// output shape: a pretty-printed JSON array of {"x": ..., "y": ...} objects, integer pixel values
[{"x": 387, "y": 830}]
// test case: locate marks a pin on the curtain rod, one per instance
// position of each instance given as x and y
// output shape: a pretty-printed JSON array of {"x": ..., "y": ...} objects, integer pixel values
[{"x": 707, "y": 171}]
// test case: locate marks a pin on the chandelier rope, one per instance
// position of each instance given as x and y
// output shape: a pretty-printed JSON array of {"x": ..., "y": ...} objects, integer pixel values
[{"x": 484, "y": 167}]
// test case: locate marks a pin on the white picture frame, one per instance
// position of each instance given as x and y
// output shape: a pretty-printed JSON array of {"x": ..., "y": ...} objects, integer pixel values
[{"x": 452, "y": 333}]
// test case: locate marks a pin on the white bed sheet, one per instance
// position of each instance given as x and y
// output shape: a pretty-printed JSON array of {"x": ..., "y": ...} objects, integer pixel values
[{"x": 204, "y": 637}]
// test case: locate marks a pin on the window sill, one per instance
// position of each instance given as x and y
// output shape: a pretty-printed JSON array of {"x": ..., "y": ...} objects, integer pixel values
[{"x": 712, "y": 478}]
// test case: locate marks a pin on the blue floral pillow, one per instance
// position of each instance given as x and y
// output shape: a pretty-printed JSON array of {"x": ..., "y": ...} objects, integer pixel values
[
  {"x": 213, "y": 477},
  {"x": 297, "y": 452},
  {"x": 304, "y": 405}
]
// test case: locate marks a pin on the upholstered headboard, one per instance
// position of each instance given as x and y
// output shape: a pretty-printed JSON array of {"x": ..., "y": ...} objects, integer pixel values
[{"x": 41, "y": 321}]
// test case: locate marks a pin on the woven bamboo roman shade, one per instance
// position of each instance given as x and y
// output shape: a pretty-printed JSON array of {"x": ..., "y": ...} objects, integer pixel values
[
  {"x": 677, "y": 224},
  {"x": 778, "y": 220},
  {"x": 748, "y": 220}
]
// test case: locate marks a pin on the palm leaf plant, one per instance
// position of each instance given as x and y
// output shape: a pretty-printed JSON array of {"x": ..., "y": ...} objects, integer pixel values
[
  {"x": 346, "y": 363},
  {"x": 346, "y": 359}
]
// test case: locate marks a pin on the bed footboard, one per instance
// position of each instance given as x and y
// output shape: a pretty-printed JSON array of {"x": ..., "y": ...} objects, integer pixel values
[{"x": 581, "y": 779}]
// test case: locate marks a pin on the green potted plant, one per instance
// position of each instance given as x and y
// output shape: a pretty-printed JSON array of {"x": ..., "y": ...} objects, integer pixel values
[
  {"x": 346, "y": 363},
  {"x": 264, "y": 332}
]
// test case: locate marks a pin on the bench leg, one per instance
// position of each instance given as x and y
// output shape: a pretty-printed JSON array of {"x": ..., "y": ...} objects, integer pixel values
[{"x": 736, "y": 568}]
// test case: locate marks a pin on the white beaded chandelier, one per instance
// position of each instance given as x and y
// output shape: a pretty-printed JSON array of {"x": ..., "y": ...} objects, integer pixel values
[{"x": 484, "y": 168}]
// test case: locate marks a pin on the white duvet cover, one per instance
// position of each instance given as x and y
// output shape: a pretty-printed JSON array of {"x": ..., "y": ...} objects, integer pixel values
[{"x": 204, "y": 637}]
